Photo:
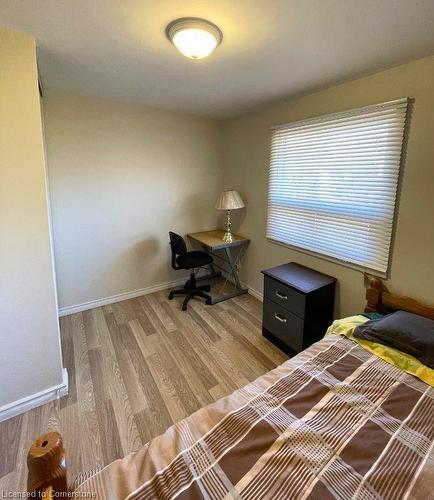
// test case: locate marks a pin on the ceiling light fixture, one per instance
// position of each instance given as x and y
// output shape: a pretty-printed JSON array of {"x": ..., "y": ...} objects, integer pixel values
[{"x": 194, "y": 37}]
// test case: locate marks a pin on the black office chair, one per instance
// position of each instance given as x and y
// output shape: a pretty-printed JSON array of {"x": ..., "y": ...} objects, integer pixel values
[{"x": 181, "y": 259}]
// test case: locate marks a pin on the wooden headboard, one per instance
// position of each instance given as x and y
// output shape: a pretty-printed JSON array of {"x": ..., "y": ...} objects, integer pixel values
[{"x": 380, "y": 300}]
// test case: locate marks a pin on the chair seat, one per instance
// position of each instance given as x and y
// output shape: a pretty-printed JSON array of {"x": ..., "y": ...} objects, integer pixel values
[{"x": 196, "y": 258}]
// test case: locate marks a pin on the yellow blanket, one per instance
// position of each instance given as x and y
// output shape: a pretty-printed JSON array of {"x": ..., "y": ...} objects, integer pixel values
[{"x": 405, "y": 362}]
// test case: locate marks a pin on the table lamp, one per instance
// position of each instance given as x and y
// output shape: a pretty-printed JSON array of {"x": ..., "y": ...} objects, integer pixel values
[{"x": 229, "y": 200}]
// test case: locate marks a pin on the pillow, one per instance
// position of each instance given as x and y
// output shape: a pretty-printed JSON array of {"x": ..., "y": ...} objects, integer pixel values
[
  {"x": 407, "y": 332},
  {"x": 401, "y": 360}
]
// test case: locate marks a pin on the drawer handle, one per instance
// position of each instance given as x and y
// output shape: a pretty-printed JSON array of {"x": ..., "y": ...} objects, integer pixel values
[
  {"x": 280, "y": 318},
  {"x": 281, "y": 296}
]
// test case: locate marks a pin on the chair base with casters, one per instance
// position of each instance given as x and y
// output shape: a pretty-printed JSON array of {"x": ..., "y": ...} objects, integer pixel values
[
  {"x": 192, "y": 290},
  {"x": 181, "y": 259}
]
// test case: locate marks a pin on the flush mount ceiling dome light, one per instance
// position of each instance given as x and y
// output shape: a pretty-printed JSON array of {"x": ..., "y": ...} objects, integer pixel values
[{"x": 194, "y": 37}]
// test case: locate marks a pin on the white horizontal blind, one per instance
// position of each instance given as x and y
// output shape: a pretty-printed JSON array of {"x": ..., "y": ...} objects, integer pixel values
[{"x": 333, "y": 183}]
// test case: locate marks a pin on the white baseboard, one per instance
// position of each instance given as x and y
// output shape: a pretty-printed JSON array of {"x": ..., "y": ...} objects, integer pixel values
[
  {"x": 64, "y": 311},
  {"x": 253, "y": 292},
  {"x": 40, "y": 398}
]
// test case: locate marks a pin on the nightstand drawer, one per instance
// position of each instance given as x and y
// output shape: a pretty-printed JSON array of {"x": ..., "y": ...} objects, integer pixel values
[
  {"x": 284, "y": 296},
  {"x": 283, "y": 324}
]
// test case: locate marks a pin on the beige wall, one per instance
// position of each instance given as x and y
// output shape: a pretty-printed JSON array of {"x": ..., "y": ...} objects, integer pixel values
[
  {"x": 30, "y": 359},
  {"x": 122, "y": 176},
  {"x": 246, "y": 161}
]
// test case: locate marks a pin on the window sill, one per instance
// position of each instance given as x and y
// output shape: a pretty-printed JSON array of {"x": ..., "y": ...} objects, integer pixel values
[{"x": 328, "y": 258}]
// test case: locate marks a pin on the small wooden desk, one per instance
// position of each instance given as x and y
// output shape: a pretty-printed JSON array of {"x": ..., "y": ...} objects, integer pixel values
[{"x": 212, "y": 242}]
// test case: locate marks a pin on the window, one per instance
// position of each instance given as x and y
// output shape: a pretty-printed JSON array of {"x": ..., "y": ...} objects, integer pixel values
[{"x": 333, "y": 183}]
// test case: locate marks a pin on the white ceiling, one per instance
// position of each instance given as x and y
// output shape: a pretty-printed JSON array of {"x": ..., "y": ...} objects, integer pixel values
[{"x": 270, "y": 50}]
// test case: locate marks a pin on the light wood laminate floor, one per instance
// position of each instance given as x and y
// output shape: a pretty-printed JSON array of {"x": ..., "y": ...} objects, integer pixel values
[{"x": 136, "y": 367}]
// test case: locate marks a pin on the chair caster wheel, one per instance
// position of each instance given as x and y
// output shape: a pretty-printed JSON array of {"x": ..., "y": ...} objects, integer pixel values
[
  {"x": 184, "y": 307},
  {"x": 208, "y": 288},
  {"x": 171, "y": 296},
  {"x": 208, "y": 302}
]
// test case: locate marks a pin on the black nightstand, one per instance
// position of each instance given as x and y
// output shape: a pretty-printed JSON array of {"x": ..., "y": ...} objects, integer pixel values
[{"x": 298, "y": 306}]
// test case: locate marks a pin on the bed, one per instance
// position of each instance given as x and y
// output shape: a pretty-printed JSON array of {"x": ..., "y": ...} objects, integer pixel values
[{"x": 335, "y": 421}]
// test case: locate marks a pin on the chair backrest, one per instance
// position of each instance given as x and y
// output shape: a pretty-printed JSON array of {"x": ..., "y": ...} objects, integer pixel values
[{"x": 178, "y": 246}]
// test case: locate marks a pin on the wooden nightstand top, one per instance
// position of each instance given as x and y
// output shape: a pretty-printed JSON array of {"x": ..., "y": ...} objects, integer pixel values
[{"x": 301, "y": 278}]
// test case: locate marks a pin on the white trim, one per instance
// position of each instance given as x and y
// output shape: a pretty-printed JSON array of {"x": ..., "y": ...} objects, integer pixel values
[
  {"x": 253, "y": 292},
  {"x": 40, "y": 398},
  {"x": 64, "y": 311}
]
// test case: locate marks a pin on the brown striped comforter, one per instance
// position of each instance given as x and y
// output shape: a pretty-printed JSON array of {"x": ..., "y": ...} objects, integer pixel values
[{"x": 332, "y": 422}]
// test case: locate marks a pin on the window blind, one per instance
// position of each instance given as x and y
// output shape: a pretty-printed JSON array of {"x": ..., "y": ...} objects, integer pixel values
[{"x": 333, "y": 183}]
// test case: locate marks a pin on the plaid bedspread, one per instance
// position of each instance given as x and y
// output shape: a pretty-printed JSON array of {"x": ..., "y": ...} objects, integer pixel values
[{"x": 333, "y": 422}]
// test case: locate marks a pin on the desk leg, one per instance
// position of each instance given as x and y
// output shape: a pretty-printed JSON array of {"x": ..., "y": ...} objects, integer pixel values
[{"x": 233, "y": 266}]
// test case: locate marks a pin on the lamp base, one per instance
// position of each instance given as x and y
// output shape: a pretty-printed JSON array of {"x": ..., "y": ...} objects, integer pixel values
[{"x": 227, "y": 237}]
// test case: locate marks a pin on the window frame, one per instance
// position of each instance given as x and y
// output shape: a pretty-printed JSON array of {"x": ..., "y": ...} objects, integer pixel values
[{"x": 332, "y": 116}]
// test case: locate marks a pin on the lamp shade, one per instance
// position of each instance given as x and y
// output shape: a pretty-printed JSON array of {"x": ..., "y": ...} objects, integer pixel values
[{"x": 229, "y": 200}]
